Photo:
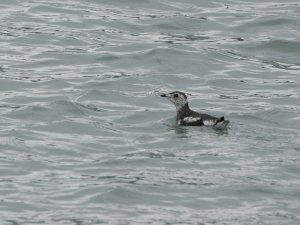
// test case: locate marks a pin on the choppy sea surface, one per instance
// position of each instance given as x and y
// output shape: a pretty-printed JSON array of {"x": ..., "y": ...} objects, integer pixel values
[{"x": 86, "y": 139}]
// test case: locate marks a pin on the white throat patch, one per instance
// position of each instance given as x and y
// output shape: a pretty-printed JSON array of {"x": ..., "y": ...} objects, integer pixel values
[{"x": 178, "y": 102}]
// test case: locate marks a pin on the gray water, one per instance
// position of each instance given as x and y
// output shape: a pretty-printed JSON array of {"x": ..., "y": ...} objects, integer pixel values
[{"x": 86, "y": 139}]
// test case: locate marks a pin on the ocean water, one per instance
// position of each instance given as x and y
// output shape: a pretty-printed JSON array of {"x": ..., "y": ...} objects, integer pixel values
[{"x": 86, "y": 139}]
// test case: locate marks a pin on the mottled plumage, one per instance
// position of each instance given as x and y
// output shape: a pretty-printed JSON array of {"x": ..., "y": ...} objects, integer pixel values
[{"x": 187, "y": 117}]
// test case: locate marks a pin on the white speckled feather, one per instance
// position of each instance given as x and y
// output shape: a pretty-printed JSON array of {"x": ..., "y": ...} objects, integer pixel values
[
  {"x": 191, "y": 119},
  {"x": 209, "y": 122}
]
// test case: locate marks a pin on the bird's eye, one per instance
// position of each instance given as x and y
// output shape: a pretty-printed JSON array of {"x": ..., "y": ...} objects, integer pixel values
[{"x": 176, "y": 96}]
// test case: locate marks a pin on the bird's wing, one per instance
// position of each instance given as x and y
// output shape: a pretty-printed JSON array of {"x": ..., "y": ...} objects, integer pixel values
[{"x": 193, "y": 118}]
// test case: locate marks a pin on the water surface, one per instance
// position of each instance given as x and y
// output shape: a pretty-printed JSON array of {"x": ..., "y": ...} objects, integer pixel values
[{"x": 85, "y": 138}]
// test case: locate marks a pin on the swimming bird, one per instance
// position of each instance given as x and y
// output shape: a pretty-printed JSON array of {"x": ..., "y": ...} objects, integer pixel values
[{"x": 187, "y": 117}]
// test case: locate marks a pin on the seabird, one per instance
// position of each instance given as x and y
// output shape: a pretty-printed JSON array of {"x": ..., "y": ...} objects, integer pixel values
[{"x": 187, "y": 117}]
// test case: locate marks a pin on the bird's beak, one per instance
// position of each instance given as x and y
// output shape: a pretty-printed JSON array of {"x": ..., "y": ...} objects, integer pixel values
[{"x": 165, "y": 95}]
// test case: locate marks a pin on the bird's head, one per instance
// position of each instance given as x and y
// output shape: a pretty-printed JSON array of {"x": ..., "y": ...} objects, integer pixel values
[{"x": 178, "y": 98}]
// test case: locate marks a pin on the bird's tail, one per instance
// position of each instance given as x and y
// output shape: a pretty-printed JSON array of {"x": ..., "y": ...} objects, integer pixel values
[{"x": 221, "y": 123}]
